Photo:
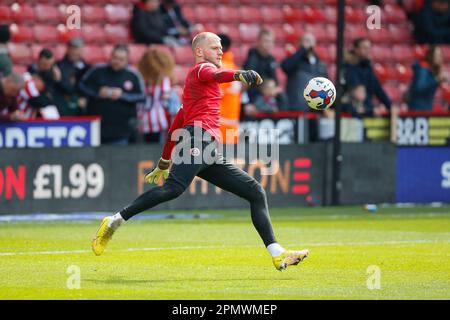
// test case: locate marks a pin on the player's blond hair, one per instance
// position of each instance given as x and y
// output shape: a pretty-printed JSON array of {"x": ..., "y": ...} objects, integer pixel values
[{"x": 201, "y": 37}]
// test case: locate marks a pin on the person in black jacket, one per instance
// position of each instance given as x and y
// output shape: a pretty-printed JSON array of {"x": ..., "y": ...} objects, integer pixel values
[
  {"x": 358, "y": 70},
  {"x": 300, "y": 67},
  {"x": 148, "y": 24},
  {"x": 72, "y": 68},
  {"x": 177, "y": 25},
  {"x": 114, "y": 89},
  {"x": 432, "y": 23}
]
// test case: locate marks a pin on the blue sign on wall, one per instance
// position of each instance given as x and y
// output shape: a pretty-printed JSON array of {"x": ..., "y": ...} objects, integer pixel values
[
  {"x": 73, "y": 132},
  {"x": 423, "y": 174}
]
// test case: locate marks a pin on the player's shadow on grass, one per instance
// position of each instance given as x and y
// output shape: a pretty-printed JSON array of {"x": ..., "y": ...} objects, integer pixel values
[{"x": 123, "y": 281}]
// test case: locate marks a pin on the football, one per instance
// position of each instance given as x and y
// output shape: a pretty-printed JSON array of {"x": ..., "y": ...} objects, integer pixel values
[{"x": 319, "y": 93}]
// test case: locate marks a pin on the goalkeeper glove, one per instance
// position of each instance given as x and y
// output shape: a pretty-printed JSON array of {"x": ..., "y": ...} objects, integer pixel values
[
  {"x": 249, "y": 77},
  {"x": 162, "y": 169}
]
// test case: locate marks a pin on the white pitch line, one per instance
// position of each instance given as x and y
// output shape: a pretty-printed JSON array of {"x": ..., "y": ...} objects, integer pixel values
[{"x": 224, "y": 246}]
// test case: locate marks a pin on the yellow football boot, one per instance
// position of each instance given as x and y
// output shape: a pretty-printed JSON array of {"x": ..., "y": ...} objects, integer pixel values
[
  {"x": 104, "y": 234},
  {"x": 289, "y": 258}
]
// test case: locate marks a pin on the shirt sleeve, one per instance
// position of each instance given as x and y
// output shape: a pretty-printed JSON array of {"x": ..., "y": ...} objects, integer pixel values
[
  {"x": 170, "y": 144},
  {"x": 207, "y": 72}
]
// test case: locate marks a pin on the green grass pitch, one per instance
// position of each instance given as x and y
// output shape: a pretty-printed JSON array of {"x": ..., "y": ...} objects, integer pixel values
[{"x": 223, "y": 257}]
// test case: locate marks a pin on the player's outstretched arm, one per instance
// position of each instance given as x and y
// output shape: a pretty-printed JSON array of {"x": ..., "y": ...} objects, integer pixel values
[{"x": 249, "y": 77}]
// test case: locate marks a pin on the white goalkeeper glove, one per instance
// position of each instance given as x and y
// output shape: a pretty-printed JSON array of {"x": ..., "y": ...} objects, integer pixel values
[{"x": 162, "y": 169}]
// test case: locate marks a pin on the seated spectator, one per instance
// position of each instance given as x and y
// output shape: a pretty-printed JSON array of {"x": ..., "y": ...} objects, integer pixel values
[
  {"x": 113, "y": 91},
  {"x": 261, "y": 59},
  {"x": 353, "y": 101},
  {"x": 148, "y": 25},
  {"x": 48, "y": 71},
  {"x": 32, "y": 99},
  {"x": 432, "y": 22},
  {"x": 359, "y": 70},
  {"x": 176, "y": 24},
  {"x": 5, "y": 60},
  {"x": 303, "y": 65},
  {"x": 270, "y": 99},
  {"x": 154, "y": 115},
  {"x": 72, "y": 68},
  {"x": 10, "y": 87},
  {"x": 428, "y": 75}
]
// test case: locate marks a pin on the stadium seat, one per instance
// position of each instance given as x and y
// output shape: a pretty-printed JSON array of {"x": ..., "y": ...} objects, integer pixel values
[
  {"x": 183, "y": 55},
  {"x": 446, "y": 52},
  {"x": 45, "y": 34},
  {"x": 35, "y": 50},
  {"x": 291, "y": 33},
  {"x": 59, "y": 50},
  {"x": 22, "y": 13},
  {"x": 331, "y": 31},
  {"x": 21, "y": 33},
  {"x": 180, "y": 74},
  {"x": 279, "y": 33},
  {"x": 94, "y": 54},
  {"x": 318, "y": 31},
  {"x": 394, "y": 92},
  {"x": 91, "y": 13},
  {"x": 136, "y": 52},
  {"x": 291, "y": 15},
  {"x": 117, "y": 13},
  {"x": 48, "y": 13},
  {"x": 117, "y": 33},
  {"x": 164, "y": 48},
  {"x": 20, "y": 53},
  {"x": 240, "y": 54},
  {"x": 205, "y": 14},
  {"x": 66, "y": 34},
  {"x": 381, "y": 53},
  {"x": 404, "y": 73},
  {"x": 250, "y": 14},
  {"x": 400, "y": 35},
  {"x": 282, "y": 78},
  {"x": 93, "y": 33},
  {"x": 272, "y": 15},
  {"x": 5, "y": 13},
  {"x": 249, "y": 32},
  {"x": 227, "y": 14},
  {"x": 324, "y": 54},
  {"x": 379, "y": 36},
  {"x": 403, "y": 53},
  {"x": 330, "y": 15},
  {"x": 393, "y": 14},
  {"x": 189, "y": 13},
  {"x": 230, "y": 30},
  {"x": 355, "y": 15},
  {"x": 279, "y": 52},
  {"x": 313, "y": 14}
]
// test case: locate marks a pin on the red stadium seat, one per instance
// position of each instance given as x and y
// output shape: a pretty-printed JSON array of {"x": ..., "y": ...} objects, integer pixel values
[
  {"x": 353, "y": 31},
  {"x": 59, "y": 51},
  {"x": 279, "y": 52},
  {"x": 403, "y": 53},
  {"x": 446, "y": 52},
  {"x": 291, "y": 33},
  {"x": 400, "y": 35},
  {"x": 249, "y": 32},
  {"x": 136, "y": 52},
  {"x": 66, "y": 34},
  {"x": 20, "y": 33},
  {"x": 22, "y": 13},
  {"x": 230, "y": 30},
  {"x": 240, "y": 54},
  {"x": 394, "y": 92},
  {"x": 324, "y": 54},
  {"x": 117, "y": 33},
  {"x": 272, "y": 15},
  {"x": 318, "y": 31},
  {"x": 35, "y": 50},
  {"x": 93, "y": 33},
  {"x": 45, "y": 34},
  {"x": 379, "y": 36},
  {"x": 205, "y": 14},
  {"x": 91, "y": 13},
  {"x": 292, "y": 15},
  {"x": 117, "y": 13},
  {"x": 404, "y": 73},
  {"x": 355, "y": 15},
  {"x": 330, "y": 14},
  {"x": 20, "y": 53},
  {"x": 183, "y": 55},
  {"x": 393, "y": 14},
  {"x": 313, "y": 14},
  {"x": 250, "y": 14},
  {"x": 189, "y": 13},
  {"x": 164, "y": 48},
  {"x": 94, "y": 54},
  {"x": 227, "y": 14},
  {"x": 47, "y": 13},
  {"x": 279, "y": 33},
  {"x": 331, "y": 31},
  {"x": 180, "y": 74},
  {"x": 282, "y": 78},
  {"x": 381, "y": 53},
  {"x": 5, "y": 13}
]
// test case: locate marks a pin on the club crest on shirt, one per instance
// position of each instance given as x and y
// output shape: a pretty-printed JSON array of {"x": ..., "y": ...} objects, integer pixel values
[
  {"x": 195, "y": 152},
  {"x": 128, "y": 85}
]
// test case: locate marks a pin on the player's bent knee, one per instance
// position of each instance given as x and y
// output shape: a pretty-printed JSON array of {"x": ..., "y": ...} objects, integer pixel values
[
  {"x": 172, "y": 191},
  {"x": 258, "y": 193}
]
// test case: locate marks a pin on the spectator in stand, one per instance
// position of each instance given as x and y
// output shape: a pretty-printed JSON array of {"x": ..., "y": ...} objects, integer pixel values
[
  {"x": 230, "y": 104},
  {"x": 353, "y": 101},
  {"x": 148, "y": 24},
  {"x": 300, "y": 67},
  {"x": 176, "y": 24},
  {"x": 10, "y": 87},
  {"x": 49, "y": 72},
  {"x": 113, "y": 91},
  {"x": 429, "y": 74},
  {"x": 72, "y": 68},
  {"x": 5, "y": 60},
  {"x": 162, "y": 103},
  {"x": 358, "y": 70},
  {"x": 269, "y": 100},
  {"x": 432, "y": 22}
]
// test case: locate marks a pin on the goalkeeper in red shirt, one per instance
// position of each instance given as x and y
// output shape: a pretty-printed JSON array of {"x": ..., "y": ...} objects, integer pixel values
[{"x": 200, "y": 117}]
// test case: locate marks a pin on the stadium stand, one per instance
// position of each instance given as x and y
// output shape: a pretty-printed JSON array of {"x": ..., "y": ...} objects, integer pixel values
[{"x": 106, "y": 22}]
